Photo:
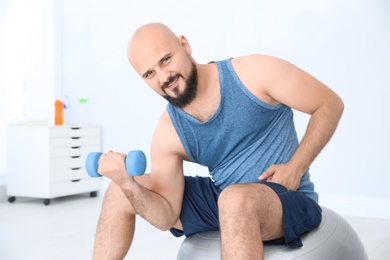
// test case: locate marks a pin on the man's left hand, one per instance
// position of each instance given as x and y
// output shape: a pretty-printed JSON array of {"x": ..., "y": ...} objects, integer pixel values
[{"x": 282, "y": 174}]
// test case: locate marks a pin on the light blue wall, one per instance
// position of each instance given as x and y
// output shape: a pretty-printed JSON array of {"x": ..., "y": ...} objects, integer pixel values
[{"x": 344, "y": 43}]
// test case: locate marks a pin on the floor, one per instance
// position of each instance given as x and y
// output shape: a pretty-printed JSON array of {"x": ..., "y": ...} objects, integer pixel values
[{"x": 65, "y": 230}]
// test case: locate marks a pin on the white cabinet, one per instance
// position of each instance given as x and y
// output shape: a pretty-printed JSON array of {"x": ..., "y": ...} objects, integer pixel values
[{"x": 49, "y": 161}]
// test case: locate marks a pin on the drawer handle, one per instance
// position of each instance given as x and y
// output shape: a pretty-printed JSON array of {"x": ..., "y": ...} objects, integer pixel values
[
  {"x": 76, "y": 137},
  {"x": 75, "y": 147},
  {"x": 76, "y": 156},
  {"x": 75, "y": 169},
  {"x": 76, "y": 180},
  {"x": 75, "y": 128}
]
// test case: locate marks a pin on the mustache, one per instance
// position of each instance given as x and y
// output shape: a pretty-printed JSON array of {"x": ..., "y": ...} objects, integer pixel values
[{"x": 169, "y": 81}]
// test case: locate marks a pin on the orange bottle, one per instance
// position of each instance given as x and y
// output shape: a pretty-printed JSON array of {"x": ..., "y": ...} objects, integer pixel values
[{"x": 58, "y": 113}]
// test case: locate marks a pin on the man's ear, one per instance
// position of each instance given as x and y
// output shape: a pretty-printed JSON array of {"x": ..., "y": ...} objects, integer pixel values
[{"x": 184, "y": 43}]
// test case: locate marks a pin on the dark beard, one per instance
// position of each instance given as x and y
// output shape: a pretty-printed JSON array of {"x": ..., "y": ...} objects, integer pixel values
[{"x": 189, "y": 93}]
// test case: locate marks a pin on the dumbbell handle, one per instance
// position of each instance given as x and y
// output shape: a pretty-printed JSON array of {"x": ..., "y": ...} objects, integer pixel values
[{"x": 135, "y": 163}]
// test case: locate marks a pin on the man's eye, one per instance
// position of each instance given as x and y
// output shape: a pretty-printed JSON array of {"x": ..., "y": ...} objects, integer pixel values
[
  {"x": 148, "y": 74},
  {"x": 166, "y": 59}
]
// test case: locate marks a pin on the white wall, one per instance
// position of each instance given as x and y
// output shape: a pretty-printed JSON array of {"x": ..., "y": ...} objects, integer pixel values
[
  {"x": 343, "y": 43},
  {"x": 28, "y": 64}
]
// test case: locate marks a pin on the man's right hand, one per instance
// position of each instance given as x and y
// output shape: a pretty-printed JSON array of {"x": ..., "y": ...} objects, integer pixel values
[{"x": 112, "y": 165}]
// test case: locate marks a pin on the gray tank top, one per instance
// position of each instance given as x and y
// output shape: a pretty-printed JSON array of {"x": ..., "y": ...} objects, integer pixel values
[{"x": 243, "y": 138}]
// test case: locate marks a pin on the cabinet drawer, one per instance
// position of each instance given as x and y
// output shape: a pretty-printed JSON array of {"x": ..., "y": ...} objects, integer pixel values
[
  {"x": 68, "y": 131},
  {"x": 68, "y": 187},
  {"x": 74, "y": 141},
  {"x": 71, "y": 151},
  {"x": 69, "y": 174},
  {"x": 67, "y": 162}
]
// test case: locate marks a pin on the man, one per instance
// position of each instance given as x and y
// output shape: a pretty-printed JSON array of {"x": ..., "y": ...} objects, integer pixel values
[{"x": 235, "y": 117}]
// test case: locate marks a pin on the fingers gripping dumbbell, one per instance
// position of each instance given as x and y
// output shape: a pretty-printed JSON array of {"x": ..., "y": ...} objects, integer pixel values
[{"x": 135, "y": 163}]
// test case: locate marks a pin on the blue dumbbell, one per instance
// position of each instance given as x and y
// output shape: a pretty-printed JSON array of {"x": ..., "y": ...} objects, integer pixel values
[{"x": 135, "y": 163}]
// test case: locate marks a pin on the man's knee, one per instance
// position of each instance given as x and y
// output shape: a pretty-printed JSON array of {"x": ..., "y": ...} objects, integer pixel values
[
  {"x": 114, "y": 197},
  {"x": 237, "y": 198},
  {"x": 255, "y": 203},
  {"x": 251, "y": 198},
  {"x": 115, "y": 200}
]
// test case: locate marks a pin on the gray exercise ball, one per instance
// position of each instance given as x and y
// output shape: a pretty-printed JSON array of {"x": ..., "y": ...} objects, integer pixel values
[{"x": 333, "y": 239}]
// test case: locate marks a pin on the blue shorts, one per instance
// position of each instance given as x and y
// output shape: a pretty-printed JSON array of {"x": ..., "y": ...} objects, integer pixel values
[{"x": 200, "y": 210}]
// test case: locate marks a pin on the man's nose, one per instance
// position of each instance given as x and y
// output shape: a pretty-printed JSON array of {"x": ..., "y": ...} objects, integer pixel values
[{"x": 163, "y": 76}]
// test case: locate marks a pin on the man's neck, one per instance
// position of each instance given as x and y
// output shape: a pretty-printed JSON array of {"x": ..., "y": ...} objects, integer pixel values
[{"x": 208, "y": 94}]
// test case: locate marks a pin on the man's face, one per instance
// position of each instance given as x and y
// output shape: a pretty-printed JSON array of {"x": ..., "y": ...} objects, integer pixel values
[{"x": 166, "y": 66}]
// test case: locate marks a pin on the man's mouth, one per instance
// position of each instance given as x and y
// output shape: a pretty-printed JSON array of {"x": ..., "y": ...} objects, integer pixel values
[{"x": 172, "y": 84}]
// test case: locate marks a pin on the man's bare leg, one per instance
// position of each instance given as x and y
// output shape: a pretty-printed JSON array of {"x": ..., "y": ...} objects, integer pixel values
[
  {"x": 248, "y": 215},
  {"x": 116, "y": 225}
]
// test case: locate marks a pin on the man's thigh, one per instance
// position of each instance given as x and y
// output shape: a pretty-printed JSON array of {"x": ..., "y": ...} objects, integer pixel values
[
  {"x": 300, "y": 214},
  {"x": 199, "y": 211}
]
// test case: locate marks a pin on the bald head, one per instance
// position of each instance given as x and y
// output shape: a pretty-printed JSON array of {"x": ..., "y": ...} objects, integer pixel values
[
  {"x": 148, "y": 38},
  {"x": 153, "y": 28}
]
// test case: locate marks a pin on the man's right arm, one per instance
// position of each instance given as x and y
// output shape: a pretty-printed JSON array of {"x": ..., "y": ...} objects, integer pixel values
[{"x": 159, "y": 202}]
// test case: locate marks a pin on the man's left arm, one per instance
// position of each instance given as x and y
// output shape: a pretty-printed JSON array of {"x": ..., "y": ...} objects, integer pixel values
[{"x": 299, "y": 90}]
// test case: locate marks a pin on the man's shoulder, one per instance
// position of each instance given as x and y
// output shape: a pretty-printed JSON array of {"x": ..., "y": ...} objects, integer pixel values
[
  {"x": 257, "y": 73},
  {"x": 254, "y": 59}
]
